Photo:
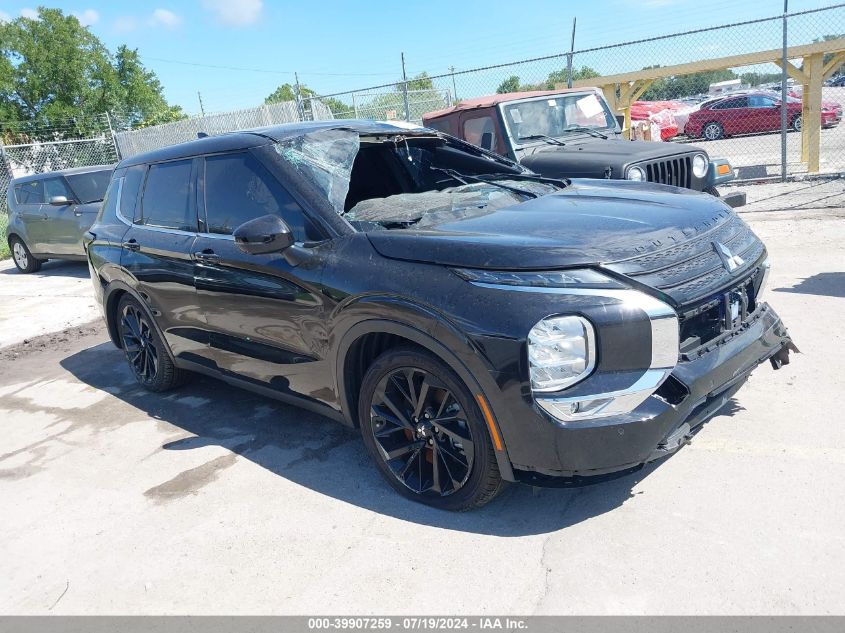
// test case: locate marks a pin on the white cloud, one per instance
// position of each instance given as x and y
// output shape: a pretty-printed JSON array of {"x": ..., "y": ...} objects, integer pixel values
[
  {"x": 32, "y": 14},
  {"x": 5, "y": 17},
  {"x": 165, "y": 18},
  {"x": 124, "y": 24},
  {"x": 235, "y": 12},
  {"x": 87, "y": 17}
]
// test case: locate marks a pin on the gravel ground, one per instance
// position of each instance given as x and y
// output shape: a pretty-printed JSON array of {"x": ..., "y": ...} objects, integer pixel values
[{"x": 212, "y": 500}]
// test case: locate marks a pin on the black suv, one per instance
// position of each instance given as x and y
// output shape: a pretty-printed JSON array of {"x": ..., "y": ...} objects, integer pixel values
[{"x": 478, "y": 322}]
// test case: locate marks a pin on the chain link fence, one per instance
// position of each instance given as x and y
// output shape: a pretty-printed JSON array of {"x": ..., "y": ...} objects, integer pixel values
[{"x": 732, "y": 112}]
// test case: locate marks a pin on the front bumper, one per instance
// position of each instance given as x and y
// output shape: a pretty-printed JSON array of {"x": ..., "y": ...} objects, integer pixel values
[{"x": 696, "y": 390}]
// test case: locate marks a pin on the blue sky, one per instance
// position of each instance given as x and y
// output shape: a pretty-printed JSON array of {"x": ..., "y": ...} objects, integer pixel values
[{"x": 337, "y": 46}]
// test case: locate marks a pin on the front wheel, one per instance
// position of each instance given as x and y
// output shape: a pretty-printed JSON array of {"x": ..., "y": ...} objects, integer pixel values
[
  {"x": 797, "y": 122},
  {"x": 713, "y": 131},
  {"x": 23, "y": 258},
  {"x": 145, "y": 350},
  {"x": 425, "y": 432}
]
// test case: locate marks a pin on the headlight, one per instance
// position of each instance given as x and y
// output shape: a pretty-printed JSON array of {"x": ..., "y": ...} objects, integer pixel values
[
  {"x": 580, "y": 278},
  {"x": 635, "y": 173},
  {"x": 699, "y": 165},
  {"x": 561, "y": 352}
]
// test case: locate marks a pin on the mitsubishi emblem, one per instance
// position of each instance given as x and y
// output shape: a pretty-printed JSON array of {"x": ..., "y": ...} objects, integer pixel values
[{"x": 730, "y": 261}]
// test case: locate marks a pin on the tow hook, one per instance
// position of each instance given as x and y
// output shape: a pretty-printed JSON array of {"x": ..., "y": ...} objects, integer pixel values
[{"x": 782, "y": 357}]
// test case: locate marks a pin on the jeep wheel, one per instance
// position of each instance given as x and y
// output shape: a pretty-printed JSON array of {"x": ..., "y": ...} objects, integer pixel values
[
  {"x": 425, "y": 432},
  {"x": 713, "y": 131},
  {"x": 145, "y": 351},
  {"x": 22, "y": 257}
]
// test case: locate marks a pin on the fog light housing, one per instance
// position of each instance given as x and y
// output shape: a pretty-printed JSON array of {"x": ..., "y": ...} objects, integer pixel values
[{"x": 561, "y": 352}]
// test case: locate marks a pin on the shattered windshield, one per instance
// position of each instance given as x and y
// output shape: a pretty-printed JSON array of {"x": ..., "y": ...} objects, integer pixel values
[
  {"x": 398, "y": 180},
  {"x": 325, "y": 158},
  {"x": 556, "y": 116}
]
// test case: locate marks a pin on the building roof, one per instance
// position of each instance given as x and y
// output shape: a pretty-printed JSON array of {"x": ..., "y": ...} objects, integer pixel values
[{"x": 496, "y": 99}]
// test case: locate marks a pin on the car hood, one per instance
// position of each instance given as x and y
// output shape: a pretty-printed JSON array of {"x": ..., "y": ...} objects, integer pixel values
[
  {"x": 612, "y": 148},
  {"x": 590, "y": 222}
]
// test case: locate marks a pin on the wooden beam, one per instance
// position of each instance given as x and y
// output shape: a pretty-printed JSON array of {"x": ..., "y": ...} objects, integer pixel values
[
  {"x": 644, "y": 85},
  {"x": 732, "y": 61},
  {"x": 793, "y": 71},
  {"x": 831, "y": 66}
]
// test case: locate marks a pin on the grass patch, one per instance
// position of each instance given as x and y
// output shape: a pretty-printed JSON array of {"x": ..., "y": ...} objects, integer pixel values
[{"x": 4, "y": 245}]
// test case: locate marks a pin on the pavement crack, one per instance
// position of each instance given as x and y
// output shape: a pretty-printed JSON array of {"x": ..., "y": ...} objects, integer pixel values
[{"x": 67, "y": 586}]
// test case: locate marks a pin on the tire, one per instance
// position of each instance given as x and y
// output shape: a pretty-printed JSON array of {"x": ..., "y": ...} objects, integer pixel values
[
  {"x": 442, "y": 454},
  {"x": 146, "y": 352},
  {"x": 713, "y": 192},
  {"x": 797, "y": 123},
  {"x": 23, "y": 258},
  {"x": 713, "y": 131}
]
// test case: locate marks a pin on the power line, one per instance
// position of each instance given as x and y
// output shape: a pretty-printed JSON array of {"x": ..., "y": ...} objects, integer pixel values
[{"x": 262, "y": 70}]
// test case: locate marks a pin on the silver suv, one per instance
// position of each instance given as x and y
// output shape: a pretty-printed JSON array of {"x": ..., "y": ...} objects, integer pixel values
[{"x": 49, "y": 213}]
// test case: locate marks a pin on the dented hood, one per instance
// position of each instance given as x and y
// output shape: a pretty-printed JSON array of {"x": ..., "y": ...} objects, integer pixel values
[{"x": 589, "y": 222}]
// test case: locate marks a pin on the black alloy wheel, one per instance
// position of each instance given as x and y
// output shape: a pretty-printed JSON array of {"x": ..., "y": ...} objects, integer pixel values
[
  {"x": 423, "y": 428},
  {"x": 145, "y": 351}
]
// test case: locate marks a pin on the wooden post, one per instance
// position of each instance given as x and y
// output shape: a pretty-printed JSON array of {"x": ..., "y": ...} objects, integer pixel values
[{"x": 812, "y": 98}]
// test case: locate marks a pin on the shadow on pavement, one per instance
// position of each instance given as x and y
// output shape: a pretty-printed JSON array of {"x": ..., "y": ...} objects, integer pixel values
[
  {"x": 54, "y": 268},
  {"x": 323, "y": 455},
  {"x": 823, "y": 284}
]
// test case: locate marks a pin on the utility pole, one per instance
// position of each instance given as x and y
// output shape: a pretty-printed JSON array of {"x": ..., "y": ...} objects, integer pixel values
[
  {"x": 199, "y": 96},
  {"x": 454, "y": 87},
  {"x": 405, "y": 90},
  {"x": 570, "y": 56},
  {"x": 783, "y": 74}
]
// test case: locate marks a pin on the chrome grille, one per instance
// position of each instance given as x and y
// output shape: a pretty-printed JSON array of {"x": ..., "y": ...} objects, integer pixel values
[
  {"x": 675, "y": 171},
  {"x": 692, "y": 270}
]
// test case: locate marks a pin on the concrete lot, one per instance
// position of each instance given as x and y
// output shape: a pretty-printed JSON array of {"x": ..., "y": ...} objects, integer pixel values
[{"x": 212, "y": 500}]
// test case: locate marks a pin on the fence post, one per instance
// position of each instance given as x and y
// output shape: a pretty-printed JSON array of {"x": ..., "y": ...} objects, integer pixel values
[
  {"x": 113, "y": 138},
  {"x": 299, "y": 106},
  {"x": 570, "y": 56},
  {"x": 355, "y": 106},
  {"x": 783, "y": 99},
  {"x": 405, "y": 90}
]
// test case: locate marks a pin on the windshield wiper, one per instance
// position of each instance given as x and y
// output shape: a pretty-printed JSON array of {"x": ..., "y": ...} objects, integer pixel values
[
  {"x": 464, "y": 177},
  {"x": 588, "y": 130},
  {"x": 558, "y": 182},
  {"x": 551, "y": 140}
]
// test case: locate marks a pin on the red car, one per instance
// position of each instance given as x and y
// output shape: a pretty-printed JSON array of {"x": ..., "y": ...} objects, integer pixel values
[{"x": 751, "y": 113}]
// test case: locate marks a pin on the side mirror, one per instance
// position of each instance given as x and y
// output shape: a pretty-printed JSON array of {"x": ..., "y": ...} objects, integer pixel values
[
  {"x": 267, "y": 234},
  {"x": 59, "y": 201}
]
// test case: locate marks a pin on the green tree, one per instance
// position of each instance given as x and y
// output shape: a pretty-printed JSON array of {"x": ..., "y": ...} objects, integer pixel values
[
  {"x": 511, "y": 84},
  {"x": 287, "y": 92},
  {"x": 685, "y": 85},
  {"x": 53, "y": 68},
  {"x": 139, "y": 92}
]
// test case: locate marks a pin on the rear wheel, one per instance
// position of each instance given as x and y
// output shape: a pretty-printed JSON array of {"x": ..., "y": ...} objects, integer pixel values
[
  {"x": 797, "y": 122},
  {"x": 145, "y": 350},
  {"x": 425, "y": 432},
  {"x": 713, "y": 131},
  {"x": 22, "y": 256}
]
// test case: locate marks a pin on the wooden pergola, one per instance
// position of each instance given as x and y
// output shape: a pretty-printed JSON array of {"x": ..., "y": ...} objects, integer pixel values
[{"x": 623, "y": 89}]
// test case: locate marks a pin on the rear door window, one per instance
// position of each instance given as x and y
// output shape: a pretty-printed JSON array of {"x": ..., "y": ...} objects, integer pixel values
[
  {"x": 31, "y": 192},
  {"x": 168, "y": 197},
  {"x": 238, "y": 188}
]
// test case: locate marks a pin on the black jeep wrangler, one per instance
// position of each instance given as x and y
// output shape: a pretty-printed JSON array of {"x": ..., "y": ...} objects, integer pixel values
[{"x": 572, "y": 133}]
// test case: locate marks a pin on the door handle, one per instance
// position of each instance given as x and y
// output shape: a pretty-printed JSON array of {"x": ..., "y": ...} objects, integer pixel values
[
  {"x": 132, "y": 245},
  {"x": 78, "y": 214},
  {"x": 207, "y": 256}
]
